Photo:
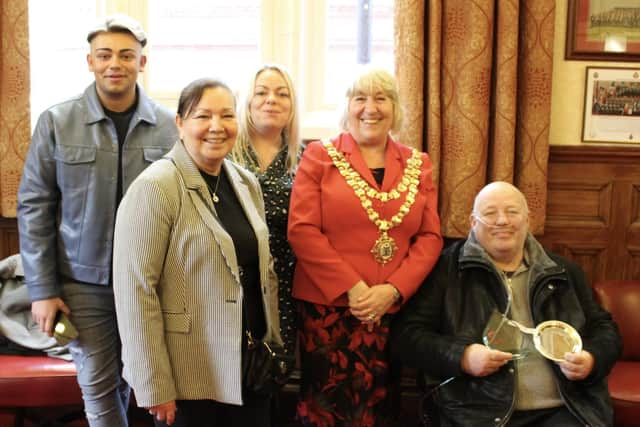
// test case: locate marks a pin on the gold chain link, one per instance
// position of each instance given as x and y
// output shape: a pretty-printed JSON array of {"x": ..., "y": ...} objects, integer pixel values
[{"x": 364, "y": 192}]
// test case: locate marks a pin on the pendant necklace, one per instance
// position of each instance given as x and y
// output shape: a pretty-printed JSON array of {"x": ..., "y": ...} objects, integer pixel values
[{"x": 213, "y": 191}]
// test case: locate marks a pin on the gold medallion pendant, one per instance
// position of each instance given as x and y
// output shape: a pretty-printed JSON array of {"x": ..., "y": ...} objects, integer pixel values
[{"x": 384, "y": 249}]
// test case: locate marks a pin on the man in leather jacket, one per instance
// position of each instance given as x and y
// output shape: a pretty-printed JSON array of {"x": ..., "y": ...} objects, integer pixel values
[
  {"x": 83, "y": 155},
  {"x": 501, "y": 268}
]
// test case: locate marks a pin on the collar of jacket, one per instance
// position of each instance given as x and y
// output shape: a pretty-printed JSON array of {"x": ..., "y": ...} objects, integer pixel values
[
  {"x": 193, "y": 180},
  {"x": 542, "y": 266},
  {"x": 95, "y": 113},
  {"x": 187, "y": 168},
  {"x": 395, "y": 156}
]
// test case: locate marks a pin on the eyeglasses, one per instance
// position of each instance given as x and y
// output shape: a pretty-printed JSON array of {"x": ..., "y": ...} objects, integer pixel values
[{"x": 492, "y": 217}]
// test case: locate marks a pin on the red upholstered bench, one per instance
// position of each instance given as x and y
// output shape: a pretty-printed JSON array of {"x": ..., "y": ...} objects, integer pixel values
[
  {"x": 622, "y": 299},
  {"x": 29, "y": 382}
]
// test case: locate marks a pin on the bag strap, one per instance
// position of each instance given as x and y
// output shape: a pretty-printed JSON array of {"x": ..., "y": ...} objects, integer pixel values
[{"x": 251, "y": 341}]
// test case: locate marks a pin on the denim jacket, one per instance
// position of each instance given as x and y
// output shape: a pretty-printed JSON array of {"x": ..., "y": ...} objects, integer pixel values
[{"x": 67, "y": 195}]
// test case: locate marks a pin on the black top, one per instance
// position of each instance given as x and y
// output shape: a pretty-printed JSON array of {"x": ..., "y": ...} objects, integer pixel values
[
  {"x": 378, "y": 175},
  {"x": 233, "y": 219},
  {"x": 121, "y": 121}
]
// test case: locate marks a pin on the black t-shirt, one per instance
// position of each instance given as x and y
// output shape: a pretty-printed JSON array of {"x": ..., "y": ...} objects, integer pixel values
[{"x": 121, "y": 121}]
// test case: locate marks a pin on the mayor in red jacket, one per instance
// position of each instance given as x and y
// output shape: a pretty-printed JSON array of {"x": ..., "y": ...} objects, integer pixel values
[{"x": 364, "y": 226}]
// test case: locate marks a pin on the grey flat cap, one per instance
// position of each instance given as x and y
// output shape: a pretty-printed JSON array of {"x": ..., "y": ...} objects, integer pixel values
[{"x": 118, "y": 21}]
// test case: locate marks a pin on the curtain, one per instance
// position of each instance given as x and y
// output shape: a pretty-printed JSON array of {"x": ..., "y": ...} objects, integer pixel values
[
  {"x": 475, "y": 80},
  {"x": 15, "y": 126}
]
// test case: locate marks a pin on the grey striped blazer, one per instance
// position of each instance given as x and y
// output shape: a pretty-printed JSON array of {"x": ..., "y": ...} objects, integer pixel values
[{"x": 176, "y": 283}]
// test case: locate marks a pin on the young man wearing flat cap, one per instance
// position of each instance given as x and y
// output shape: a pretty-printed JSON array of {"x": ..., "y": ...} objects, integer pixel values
[{"x": 83, "y": 155}]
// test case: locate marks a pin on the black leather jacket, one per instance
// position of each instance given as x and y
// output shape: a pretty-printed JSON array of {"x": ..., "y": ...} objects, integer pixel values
[{"x": 450, "y": 311}]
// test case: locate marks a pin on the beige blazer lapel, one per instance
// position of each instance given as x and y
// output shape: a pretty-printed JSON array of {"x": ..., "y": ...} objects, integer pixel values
[{"x": 199, "y": 194}]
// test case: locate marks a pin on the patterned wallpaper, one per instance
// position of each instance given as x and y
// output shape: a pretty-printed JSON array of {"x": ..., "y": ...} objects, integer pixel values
[{"x": 15, "y": 127}]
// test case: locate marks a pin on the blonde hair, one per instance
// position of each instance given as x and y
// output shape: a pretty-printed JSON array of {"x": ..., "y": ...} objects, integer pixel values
[
  {"x": 370, "y": 82},
  {"x": 290, "y": 133}
]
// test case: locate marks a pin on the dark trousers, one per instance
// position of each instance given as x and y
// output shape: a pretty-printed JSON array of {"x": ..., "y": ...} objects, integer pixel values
[
  {"x": 552, "y": 417},
  {"x": 209, "y": 413}
]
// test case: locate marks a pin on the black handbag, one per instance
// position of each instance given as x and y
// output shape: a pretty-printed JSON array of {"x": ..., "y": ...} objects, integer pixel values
[{"x": 265, "y": 366}]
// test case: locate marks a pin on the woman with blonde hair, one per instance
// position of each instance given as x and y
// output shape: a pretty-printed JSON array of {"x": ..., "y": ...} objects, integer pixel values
[
  {"x": 364, "y": 226},
  {"x": 268, "y": 144}
]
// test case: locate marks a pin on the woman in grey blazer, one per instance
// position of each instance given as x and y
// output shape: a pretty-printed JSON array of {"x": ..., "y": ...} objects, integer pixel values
[{"x": 192, "y": 272}]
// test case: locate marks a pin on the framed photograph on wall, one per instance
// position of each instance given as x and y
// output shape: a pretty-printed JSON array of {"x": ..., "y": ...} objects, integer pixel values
[
  {"x": 603, "y": 30},
  {"x": 612, "y": 105}
]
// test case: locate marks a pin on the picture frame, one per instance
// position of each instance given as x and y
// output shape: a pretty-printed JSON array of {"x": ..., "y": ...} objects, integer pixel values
[
  {"x": 603, "y": 30},
  {"x": 612, "y": 105}
]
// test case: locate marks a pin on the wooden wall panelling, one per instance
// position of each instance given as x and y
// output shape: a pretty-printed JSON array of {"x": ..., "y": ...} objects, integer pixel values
[
  {"x": 634, "y": 263},
  {"x": 579, "y": 218},
  {"x": 593, "y": 209},
  {"x": 591, "y": 257},
  {"x": 9, "y": 243},
  {"x": 578, "y": 204},
  {"x": 620, "y": 258},
  {"x": 633, "y": 235}
]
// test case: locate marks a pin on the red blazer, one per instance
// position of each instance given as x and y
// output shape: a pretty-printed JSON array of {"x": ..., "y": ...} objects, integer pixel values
[{"x": 332, "y": 235}]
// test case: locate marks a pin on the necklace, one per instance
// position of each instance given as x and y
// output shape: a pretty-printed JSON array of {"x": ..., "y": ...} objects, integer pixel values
[
  {"x": 257, "y": 165},
  {"x": 213, "y": 191},
  {"x": 385, "y": 247}
]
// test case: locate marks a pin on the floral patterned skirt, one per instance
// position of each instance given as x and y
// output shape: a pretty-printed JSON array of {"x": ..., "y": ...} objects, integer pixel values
[{"x": 346, "y": 377}]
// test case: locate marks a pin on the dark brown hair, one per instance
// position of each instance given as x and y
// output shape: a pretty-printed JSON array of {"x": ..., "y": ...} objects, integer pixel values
[{"x": 192, "y": 94}]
